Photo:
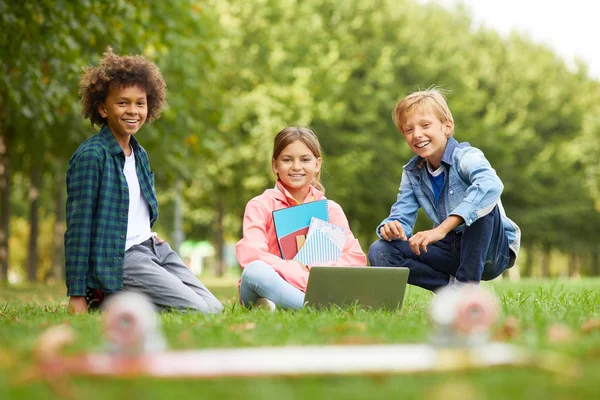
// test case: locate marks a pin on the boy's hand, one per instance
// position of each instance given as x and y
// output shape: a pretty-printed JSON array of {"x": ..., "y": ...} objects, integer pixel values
[
  {"x": 392, "y": 230},
  {"x": 77, "y": 305},
  {"x": 421, "y": 239}
]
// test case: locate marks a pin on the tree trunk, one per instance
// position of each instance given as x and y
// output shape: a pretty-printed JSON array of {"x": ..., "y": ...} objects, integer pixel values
[
  {"x": 4, "y": 203},
  {"x": 220, "y": 239},
  {"x": 545, "y": 264},
  {"x": 58, "y": 262},
  {"x": 595, "y": 267},
  {"x": 34, "y": 221},
  {"x": 528, "y": 262},
  {"x": 574, "y": 266}
]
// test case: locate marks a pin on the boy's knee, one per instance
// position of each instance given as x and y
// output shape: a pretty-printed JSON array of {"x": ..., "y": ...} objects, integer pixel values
[
  {"x": 204, "y": 305},
  {"x": 215, "y": 306},
  {"x": 489, "y": 219},
  {"x": 185, "y": 299},
  {"x": 378, "y": 252}
]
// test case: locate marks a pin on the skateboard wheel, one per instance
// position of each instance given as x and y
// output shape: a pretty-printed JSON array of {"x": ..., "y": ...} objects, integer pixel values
[
  {"x": 128, "y": 319},
  {"x": 466, "y": 310},
  {"x": 476, "y": 311}
]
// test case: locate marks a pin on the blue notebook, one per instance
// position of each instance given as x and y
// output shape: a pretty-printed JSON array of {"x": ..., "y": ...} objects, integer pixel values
[{"x": 294, "y": 221}]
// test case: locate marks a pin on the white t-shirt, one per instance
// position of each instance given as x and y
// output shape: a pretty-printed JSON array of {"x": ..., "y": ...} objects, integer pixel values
[{"x": 138, "y": 222}]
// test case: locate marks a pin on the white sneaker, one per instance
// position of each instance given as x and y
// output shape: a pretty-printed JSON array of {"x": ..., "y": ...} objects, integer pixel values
[{"x": 265, "y": 303}]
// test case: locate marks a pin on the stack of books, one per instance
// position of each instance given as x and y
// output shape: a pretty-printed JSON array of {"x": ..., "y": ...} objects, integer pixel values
[{"x": 305, "y": 234}]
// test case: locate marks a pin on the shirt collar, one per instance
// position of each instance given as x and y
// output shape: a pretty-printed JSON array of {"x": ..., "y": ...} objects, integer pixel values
[
  {"x": 419, "y": 162},
  {"x": 450, "y": 146},
  {"x": 313, "y": 193},
  {"x": 113, "y": 146}
]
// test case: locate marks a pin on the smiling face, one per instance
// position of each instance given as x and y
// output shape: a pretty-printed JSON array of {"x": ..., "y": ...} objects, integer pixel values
[
  {"x": 296, "y": 167},
  {"x": 125, "y": 110},
  {"x": 427, "y": 135}
]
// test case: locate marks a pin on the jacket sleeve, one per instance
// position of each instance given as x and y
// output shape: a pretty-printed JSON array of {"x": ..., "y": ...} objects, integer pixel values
[
  {"x": 405, "y": 208},
  {"x": 254, "y": 245},
  {"x": 485, "y": 187},
  {"x": 352, "y": 254},
  {"x": 83, "y": 176}
]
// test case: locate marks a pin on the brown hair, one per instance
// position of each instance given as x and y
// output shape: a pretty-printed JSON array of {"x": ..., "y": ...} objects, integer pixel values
[
  {"x": 291, "y": 134},
  {"x": 431, "y": 99},
  {"x": 121, "y": 71}
]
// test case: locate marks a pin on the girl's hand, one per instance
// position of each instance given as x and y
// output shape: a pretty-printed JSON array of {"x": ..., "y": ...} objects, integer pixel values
[
  {"x": 392, "y": 230},
  {"x": 422, "y": 239}
]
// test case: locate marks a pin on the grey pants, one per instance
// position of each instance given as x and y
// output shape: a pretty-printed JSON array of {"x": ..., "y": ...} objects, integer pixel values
[{"x": 157, "y": 271}]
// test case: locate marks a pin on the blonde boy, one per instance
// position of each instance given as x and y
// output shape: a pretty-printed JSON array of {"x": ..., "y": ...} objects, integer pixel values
[{"x": 455, "y": 185}]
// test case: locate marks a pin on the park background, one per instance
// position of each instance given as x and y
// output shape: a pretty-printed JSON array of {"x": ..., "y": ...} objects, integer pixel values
[{"x": 238, "y": 71}]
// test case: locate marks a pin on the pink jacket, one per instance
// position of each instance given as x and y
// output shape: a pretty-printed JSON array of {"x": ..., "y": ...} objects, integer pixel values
[{"x": 260, "y": 242}]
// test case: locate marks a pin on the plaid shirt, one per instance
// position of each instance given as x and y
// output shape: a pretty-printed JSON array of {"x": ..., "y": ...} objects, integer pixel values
[{"x": 97, "y": 212}]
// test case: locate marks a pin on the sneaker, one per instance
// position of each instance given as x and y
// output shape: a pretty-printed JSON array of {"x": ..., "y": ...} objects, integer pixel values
[
  {"x": 94, "y": 298},
  {"x": 263, "y": 302}
]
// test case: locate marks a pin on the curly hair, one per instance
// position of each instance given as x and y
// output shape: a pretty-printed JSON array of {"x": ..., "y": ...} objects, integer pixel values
[{"x": 121, "y": 71}]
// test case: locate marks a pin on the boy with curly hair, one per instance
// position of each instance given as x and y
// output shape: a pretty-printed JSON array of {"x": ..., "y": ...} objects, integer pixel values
[{"x": 111, "y": 199}]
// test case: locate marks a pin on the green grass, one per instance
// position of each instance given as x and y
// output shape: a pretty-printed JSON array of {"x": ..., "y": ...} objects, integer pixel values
[{"x": 25, "y": 312}]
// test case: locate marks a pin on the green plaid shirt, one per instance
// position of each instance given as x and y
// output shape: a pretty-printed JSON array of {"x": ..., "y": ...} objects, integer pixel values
[{"x": 97, "y": 212}]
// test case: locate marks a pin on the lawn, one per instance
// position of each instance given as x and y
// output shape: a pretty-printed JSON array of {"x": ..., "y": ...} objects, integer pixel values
[{"x": 25, "y": 312}]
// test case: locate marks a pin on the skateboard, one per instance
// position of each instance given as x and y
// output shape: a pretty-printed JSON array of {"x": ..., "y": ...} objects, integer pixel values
[{"x": 462, "y": 320}]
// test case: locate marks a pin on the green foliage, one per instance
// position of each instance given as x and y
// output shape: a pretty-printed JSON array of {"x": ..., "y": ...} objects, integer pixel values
[{"x": 239, "y": 71}]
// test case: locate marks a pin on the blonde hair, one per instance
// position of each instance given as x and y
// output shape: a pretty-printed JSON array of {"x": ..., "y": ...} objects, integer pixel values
[
  {"x": 291, "y": 134},
  {"x": 432, "y": 100}
]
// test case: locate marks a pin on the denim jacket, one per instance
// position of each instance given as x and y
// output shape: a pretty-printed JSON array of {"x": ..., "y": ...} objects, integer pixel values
[{"x": 471, "y": 190}]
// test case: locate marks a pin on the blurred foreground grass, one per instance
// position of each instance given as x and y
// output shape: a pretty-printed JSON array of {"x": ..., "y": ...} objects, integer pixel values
[{"x": 562, "y": 308}]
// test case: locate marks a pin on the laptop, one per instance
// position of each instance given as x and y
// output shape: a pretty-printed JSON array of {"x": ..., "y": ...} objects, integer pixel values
[{"x": 370, "y": 287}]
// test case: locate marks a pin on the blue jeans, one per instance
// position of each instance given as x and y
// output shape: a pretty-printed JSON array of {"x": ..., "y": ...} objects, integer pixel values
[
  {"x": 260, "y": 280},
  {"x": 480, "y": 252}
]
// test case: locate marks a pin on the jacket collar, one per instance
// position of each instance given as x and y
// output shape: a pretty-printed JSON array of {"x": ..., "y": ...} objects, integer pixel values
[
  {"x": 419, "y": 162},
  {"x": 113, "y": 146}
]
